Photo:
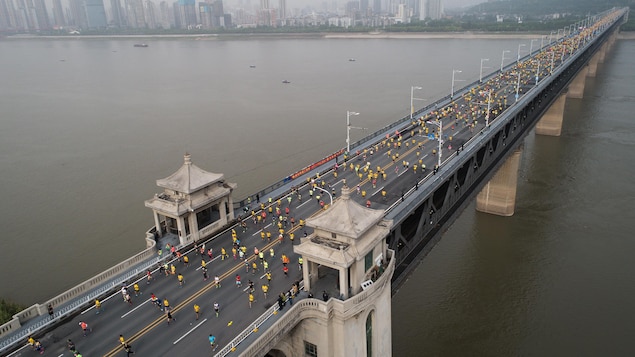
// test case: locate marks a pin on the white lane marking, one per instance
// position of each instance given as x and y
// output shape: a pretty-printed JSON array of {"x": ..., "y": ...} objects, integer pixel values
[
  {"x": 131, "y": 311},
  {"x": 188, "y": 332}
]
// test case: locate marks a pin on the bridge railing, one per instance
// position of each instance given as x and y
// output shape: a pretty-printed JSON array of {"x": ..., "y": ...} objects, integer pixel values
[
  {"x": 307, "y": 308},
  {"x": 36, "y": 319}
]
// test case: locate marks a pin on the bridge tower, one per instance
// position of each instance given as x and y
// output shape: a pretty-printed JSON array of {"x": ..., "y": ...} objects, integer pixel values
[
  {"x": 348, "y": 267},
  {"x": 194, "y": 204}
]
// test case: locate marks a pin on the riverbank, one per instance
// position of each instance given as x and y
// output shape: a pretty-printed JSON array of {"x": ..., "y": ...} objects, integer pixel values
[
  {"x": 240, "y": 36},
  {"x": 318, "y": 35}
]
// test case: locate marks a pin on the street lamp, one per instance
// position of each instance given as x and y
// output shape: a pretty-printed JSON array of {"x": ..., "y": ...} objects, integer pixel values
[
  {"x": 454, "y": 71},
  {"x": 327, "y": 192},
  {"x": 412, "y": 108},
  {"x": 550, "y": 35},
  {"x": 538, "y": 72},
  {"x": 542, "y": 40},
  {"x": 531, "y": 46},
  {"x": 480, "y": 76},
  {"x": 503, "y": 59},
  {"x": 440, "y": 139},
  {"x": 519, "y": 46},
  {"x": 489, "y": 103},
  {"x": 518, "y": 85},
  {"x": 553, "y": 56},
  {"x": 348, "y": 129}
]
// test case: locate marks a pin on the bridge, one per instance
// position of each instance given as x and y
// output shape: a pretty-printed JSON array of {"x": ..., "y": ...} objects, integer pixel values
[{"x": 359, "y": 219}]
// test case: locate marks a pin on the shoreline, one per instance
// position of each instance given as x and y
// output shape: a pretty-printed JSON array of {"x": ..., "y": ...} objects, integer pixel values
[
  {"x": 327, "y": 35},
  {"x": 318, "y": 35}
]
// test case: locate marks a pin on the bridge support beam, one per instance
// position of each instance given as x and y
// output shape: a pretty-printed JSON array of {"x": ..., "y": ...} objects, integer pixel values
[
  {"x": 602, "y": 53},
  {"x": 576, "y": 88},
  {"x": 499, "y": 195},
  {"x": 551, "y": 122},
  {"x": 593, "y": 65}
]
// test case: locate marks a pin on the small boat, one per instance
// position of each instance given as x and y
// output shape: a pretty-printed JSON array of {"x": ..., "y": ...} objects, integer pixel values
[
  {"x": 286, "y": 81},
  {"x": 252, "y": 66},
  {"x": 351, "y": 60},
  {"x": 140, "y": 45}
]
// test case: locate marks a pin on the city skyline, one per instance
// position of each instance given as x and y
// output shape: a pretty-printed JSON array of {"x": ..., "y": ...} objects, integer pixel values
[{"x": 36, "y": 15}]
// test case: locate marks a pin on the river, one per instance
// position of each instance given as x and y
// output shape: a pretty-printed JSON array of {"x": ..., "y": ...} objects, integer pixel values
[{"x": 88, "y": 126}]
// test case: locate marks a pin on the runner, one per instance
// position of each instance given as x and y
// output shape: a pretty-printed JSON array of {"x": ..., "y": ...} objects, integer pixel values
[
  {"x": 212, "y": 342},
  {"x": 216, "y": 308},
  {"x": 85, "y": 328},
  {"x": 217, "y": 281},
  {"x": 238, "y": 282},
  {"x": 252, "y": 299},
  {"x": 265, "y": 289},
  {"x": 97, "y": 306},
  {"x": 197, "y": 310},
  {"x": 181, "y": 279}
]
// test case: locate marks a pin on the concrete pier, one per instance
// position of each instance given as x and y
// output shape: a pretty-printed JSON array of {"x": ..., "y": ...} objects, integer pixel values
[
  {"x": 499, "y": 195},
  {"x": 551, "y": 122}
]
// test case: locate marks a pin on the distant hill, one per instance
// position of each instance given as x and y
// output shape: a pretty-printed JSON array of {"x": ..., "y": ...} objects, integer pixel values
[{"x": 544, "y": 7}]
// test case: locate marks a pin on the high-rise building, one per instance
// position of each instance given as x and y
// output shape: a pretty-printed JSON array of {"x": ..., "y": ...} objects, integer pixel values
[
  {"x": 95, "y": 14},
  {"x": 150, "y": 12},
  {"x": 282, "y": 9},
  {"x": 432, "y": 9},
  {"x": 9, "y": 19},
  {"x": 118, "y": 18},
  {"x": 165, "y": 15},
  {"x": 41, "y": 15},
  {"x": 58, "y": 13},
  {"x": 78, "y": 15},
  {"x": 186, "y": 13}
]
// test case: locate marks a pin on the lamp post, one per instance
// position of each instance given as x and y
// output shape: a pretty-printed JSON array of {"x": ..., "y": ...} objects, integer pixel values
[
  {"x": 542, "y": 40},
  {"x": 531, "y": 46},
  {"x": 454, "y": 71},
  {"x": 440, "y": 139},
  {"x": 480, "y": 77},
  {"x": 503, "y": 59},
  {"x": 550, "y": 36},
  {"x": 519, "y": 47},
  {"x": 518, "y": 85},
  {"x": 348, "y": 130},
  {"x": 489, "y": 103},
  {"x": 538, "y": 72},
  {"x": 327, "y": 192},
  {"x": 553, "y": 56},
  {"x": 558, "y": 34},
  {"x": 412, "y": 108}
]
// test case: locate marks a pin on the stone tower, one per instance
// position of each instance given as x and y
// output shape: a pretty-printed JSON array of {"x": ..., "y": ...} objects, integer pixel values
[
  {"x": 348, "y": 268},
  {"x": 194, "y": 204}
]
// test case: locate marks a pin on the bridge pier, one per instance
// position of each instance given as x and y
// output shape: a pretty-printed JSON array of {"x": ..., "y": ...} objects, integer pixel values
[
  {"x": 499, "y": 194},
  {"x": 551, "y": 122},
  {"x": 593, "y": 65},
  {"x": 576, "y": 88},
  {"x": 602, "y": 53}
]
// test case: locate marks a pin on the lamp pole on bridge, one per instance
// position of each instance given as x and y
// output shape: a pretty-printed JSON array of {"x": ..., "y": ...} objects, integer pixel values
[
  {"x": 531, "y": 46},
  {"x": 412, "y": 108},
  {"x": 550, "y": 36},
  {"x": 438, "y": 123},
  {"x": 519, "y": 47},
  {"x": 518, "y": 84},
  {"x": 503, "y": 59},
  {"x": 553, "y": 57},
  {"x": 348, "y": 130},
  {"x": 480, "y": 76},
  {"x": 454, "y": 71},
  {"x": 489, "y": 104},
  {"x": 327, "y": 192}
]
